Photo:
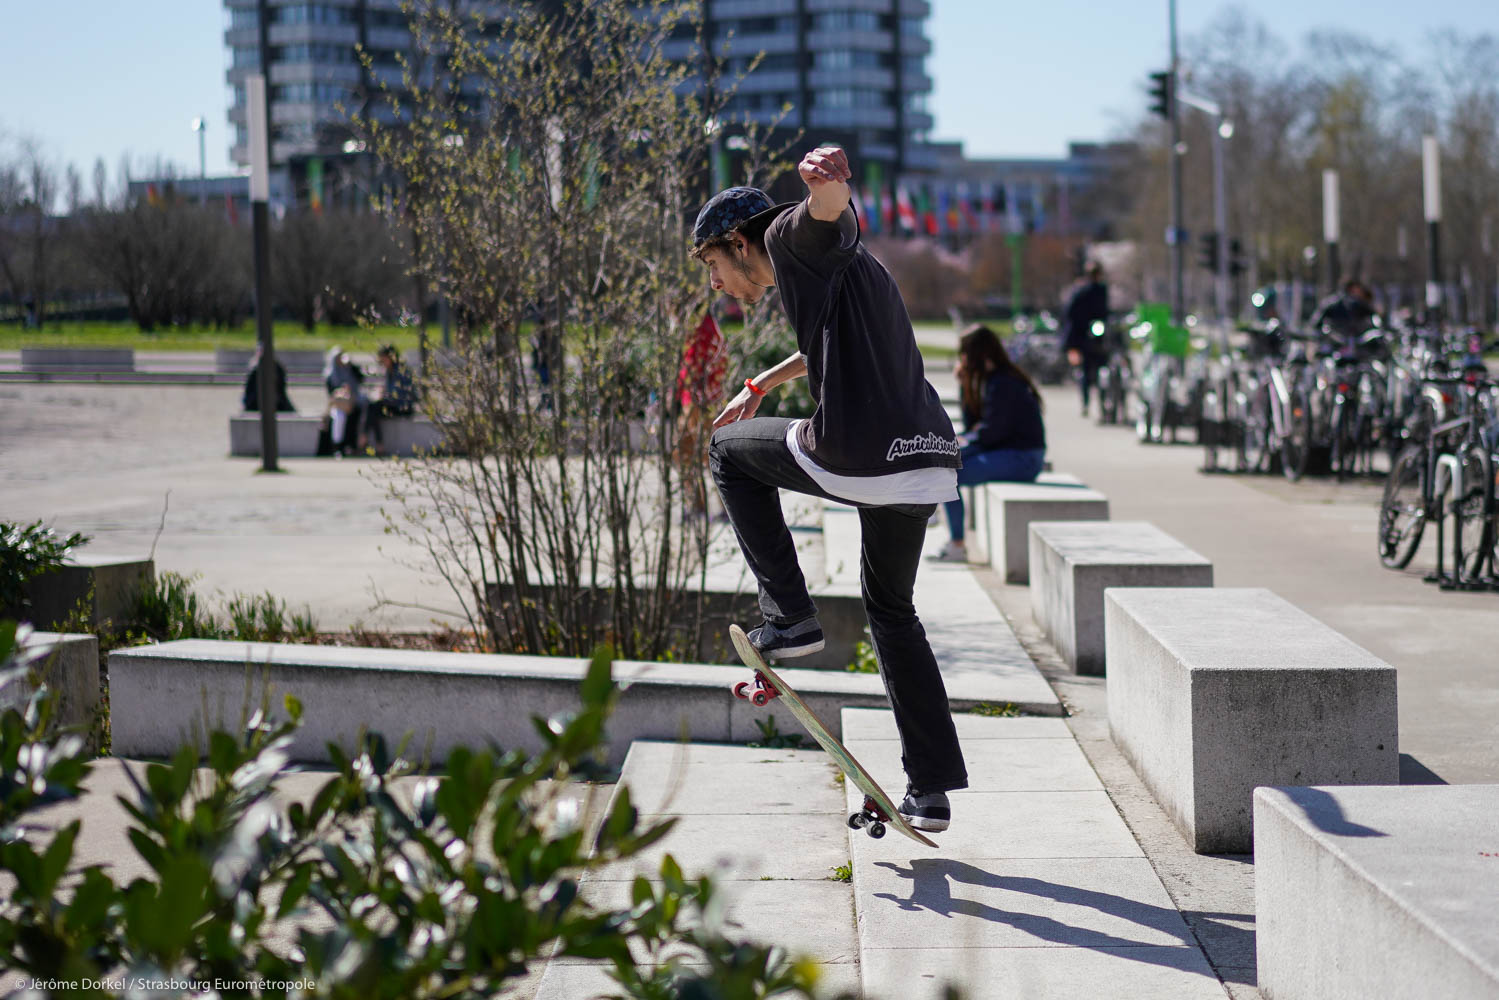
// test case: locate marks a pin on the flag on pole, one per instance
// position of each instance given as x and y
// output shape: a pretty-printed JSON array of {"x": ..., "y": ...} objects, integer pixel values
[
  {"x": 887, "y": 207},
  {"x": 987, "y": 215},
  {"x": 949, "y": 209},
  {"x": 925, "y": 207},
  {"x": 905, "y": 209},
  {"x": 965, "y": 205}
]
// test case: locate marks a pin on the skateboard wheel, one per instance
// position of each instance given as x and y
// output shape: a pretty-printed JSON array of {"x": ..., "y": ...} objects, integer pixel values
[
  {"x": 855, "y": 821},
  {"x": 877, "y": 829},
  {"x": 760, "y": 699},
  {"x": 741, "y": 691}
]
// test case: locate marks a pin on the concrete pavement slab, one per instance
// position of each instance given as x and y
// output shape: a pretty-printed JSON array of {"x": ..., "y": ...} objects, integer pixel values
[
  {"x": 1042, "y": 973},
  {"x": 879, "y": 724},
  {"x": 1008, "y": 903},
  {"x": 804, "y": 916},
  {"x": 705, "y": 779},
  {"x": 751, "y": 846},
  {"x": 592, "y": 982},
  {"x": 1015, "y": 825},
  {"x": 1029, "y": 765}
]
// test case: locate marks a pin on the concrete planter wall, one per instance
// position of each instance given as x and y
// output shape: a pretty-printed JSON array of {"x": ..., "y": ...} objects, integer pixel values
[
  {"x": 114, "y": 581},
  {"x": 77, "y": 359}
]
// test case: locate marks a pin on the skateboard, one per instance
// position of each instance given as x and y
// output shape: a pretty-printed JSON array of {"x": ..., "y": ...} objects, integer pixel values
[{"x": 878, "y": 810}]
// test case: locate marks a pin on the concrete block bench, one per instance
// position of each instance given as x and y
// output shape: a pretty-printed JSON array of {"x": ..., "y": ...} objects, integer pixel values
[
  {"x": 1007, "y": 510},
  {"x": 104, "y": 586},
  {"x": 1215, "y": 692},
  {"x": 442, "y": 699},
  {"x": 69, "y": 665},
  {"x": 1073, "y": 562},
  {"x": 297, "y": 435},
  {"x": 77, "y": 359},
  {"x": 231, "y": 359},
  {"x": 1377, "y": 892}
]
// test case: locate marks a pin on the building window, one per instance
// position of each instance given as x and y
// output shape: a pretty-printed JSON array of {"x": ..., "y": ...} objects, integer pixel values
[
  {"x": 913, "y": 65},
  {"x": 242, "y": 135},
  {"x": 314, "y": 13},
  {"x": 846, "y": 20},
  {"x": 310, "y": 93},
  {"x": 911, "y": 26},
  {"x": 247, "y": 56},
  {"x": 835, "y": 59},
  {"x": 316, "y": 52},
  {"x": 244, "y": 17},
  {"x": 836, "y": 97}
]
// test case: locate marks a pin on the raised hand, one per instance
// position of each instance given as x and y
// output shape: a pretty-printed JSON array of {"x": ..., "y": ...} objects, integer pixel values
[{"x": 824, "y": 165}]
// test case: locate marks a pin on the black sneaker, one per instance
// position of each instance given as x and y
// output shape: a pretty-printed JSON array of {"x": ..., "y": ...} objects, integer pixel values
[
  {"x": 926, "y": 811},
  {"x": 782, "y": 642}
]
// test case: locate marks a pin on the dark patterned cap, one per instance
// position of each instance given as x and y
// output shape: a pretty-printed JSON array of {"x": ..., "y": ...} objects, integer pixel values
[{"x": 735, "y": 208}]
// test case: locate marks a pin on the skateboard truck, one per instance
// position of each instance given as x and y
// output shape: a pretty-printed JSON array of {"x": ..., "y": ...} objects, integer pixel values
[
  {"x": 871, "y": 819},
  {"x": 760, "y": 694}
]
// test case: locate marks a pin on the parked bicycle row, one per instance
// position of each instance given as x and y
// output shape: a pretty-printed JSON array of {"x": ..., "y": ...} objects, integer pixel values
[{"x": 1348, "y": 398}]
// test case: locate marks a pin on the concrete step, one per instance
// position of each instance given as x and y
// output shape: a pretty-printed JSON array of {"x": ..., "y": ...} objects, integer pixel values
[
  {"x": 1038, "y": 889},
  {"x": 980, "y": 657},
  {"x": 768, "y": 824}
]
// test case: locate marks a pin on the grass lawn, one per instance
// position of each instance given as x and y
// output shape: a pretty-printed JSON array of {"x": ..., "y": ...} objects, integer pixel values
[{"x": 289, "y": 336}]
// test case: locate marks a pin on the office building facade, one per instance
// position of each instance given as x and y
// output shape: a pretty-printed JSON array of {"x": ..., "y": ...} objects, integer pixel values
[{"x": 850, "y": 72}]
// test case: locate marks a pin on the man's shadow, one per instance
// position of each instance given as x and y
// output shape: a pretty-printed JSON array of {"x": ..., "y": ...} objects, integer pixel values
[{"x": 931, "y": 882}]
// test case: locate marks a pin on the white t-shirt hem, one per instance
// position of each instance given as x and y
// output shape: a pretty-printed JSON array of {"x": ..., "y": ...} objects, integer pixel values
[{"x": 935, "y": 484}]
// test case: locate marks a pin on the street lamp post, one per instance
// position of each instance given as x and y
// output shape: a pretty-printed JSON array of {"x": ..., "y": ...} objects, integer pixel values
[
  {"x": 260, "y": 193},
  {"x": 1178, "y": 250},
  {"x": 1431, "y": 162},
  {"x": 1331, "y": 225},
  {"x": 201, "y": 127},
  {"x": 1221, "y": 134}
]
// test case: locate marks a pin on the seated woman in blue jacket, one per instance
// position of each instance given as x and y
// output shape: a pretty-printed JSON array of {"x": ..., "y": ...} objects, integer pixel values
[{"x": 1004, "y": 439}]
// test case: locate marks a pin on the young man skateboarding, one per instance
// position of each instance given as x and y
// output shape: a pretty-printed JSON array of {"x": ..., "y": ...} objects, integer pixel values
[{"x": 879, "y": 439}]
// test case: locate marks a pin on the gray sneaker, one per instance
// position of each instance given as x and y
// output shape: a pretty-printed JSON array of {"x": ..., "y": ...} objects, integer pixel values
[
  {"x": 778, "y": 642},
  {"x": 926, "y": 811}
]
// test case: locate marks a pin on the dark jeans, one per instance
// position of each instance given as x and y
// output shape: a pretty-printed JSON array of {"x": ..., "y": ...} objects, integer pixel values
[
  {"x": 750, "y": 462},
  {"x": 1001, "y": 465},
  {"x": 1087, "y": 374}
]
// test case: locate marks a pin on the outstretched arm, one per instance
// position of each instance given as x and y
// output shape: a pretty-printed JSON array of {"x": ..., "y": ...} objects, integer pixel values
[
  {"x": 825, "y": 172},
  {"x": 745, "y": 403}
]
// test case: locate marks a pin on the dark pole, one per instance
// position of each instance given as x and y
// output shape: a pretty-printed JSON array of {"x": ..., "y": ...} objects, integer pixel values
[
  {"x": 260, "y": 184},
  {"x": 1178, "y": 251},
  {"x": 1432, "y": 171}
]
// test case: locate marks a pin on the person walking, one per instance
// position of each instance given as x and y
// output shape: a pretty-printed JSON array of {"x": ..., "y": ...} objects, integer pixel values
[
  {"x": 1088, "y": 303},
  {"x": 1004, "y": 438},
  {"x": 878, "y": 439}
]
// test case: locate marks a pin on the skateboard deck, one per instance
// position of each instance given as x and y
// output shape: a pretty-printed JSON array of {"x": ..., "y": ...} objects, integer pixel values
[{"x": 878, "y": 811}]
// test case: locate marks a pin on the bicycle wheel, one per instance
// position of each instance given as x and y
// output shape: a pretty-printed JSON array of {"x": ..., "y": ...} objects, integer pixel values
[
  {"x": 1472, "y": 509},
  {"x": 1344, "y": 440},
  {"x": 1255, "y": 415},
  {"x": 1296, "y": 445},
  {"x": 1402, "y": 512}
]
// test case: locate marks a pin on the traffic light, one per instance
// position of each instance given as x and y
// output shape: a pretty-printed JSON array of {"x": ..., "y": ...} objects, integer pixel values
[
  {"x": 1160, "y": 94},
  {"x": 1207, "y": 251},
  {"x": 1236, "y": 265}
]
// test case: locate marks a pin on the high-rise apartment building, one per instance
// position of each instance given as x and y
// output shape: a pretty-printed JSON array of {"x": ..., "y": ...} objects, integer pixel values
[{"x": 851, "y": 72}]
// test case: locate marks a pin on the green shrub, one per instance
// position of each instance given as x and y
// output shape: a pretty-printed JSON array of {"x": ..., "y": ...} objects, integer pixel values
[
  {"x": 264, "y": 618},
  {"x": 27, "y": 551},
  {"x": 865, "y": 661},
  {"x": 452, "y": 888},
  {"x": 169, "y": 609}
]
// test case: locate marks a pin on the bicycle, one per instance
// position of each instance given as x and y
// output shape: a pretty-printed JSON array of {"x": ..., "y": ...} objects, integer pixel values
[{"x": 1428, "y": 473}]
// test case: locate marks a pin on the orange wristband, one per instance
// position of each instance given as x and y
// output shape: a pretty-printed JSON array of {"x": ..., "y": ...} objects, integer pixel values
[{"x": 749, "y": 384}]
